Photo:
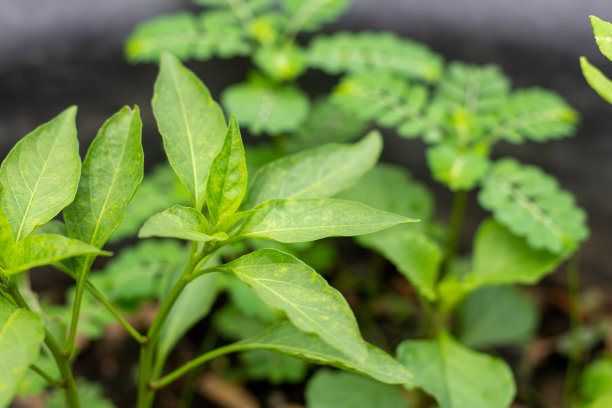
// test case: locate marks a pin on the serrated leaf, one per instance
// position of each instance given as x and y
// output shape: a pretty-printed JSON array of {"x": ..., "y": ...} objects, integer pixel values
[
  {"x": 40, "y": 175},
  {"x": 534, "y": 114},
  {"x": 496, "y": 316},
  {"x": 284, "y": 282},
  {"x": 187, "y": 36},
  {"x": 316, "y": 173},
  {"x": 21, "y": 334},
  {"x": 531, "y": 204},
  {"x": 227, "y": 181},
  {"x": 456, "y": 376},
  {"x": 336, "y": 389},
  {"x": 385, "y": 98},
  {"x": 266, "y": 108},
  {"x": 111, "y": 174},
  {"x": 191, "y": 124},
  {"x": 459, "y": 169},
  {"x": 310, "y": 15},
  {"x": 305, "y": 220},
  {"x": 597, "y": 80},
  {"x": 179, "y": 222},
  {"x": 366, "y": 51},
  {"x": 287, "y": 339},
  {"x": 603, "y": 35}
]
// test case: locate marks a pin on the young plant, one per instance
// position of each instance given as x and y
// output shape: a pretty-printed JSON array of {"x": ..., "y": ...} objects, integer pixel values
[{"x": 287, "y": 202}]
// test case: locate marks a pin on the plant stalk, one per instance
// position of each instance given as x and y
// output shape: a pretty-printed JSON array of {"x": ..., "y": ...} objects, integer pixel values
[
  {"x": 52, "y": 381},
  {"x": 454, "y": 234},
  {"x": 575, "y": 355},
  {"x": 81, "y": 278}
]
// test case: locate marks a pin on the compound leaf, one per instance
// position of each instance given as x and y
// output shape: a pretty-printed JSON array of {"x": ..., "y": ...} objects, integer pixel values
[
  {"x": 40, "y": 175},
  {"x": 597, "y": 80},
  {"x": 190, "y": 122},
  {"x": 310, "y": 15},
  {"x": 459, "y": 169},
  {"x": 179, "y": 222}
]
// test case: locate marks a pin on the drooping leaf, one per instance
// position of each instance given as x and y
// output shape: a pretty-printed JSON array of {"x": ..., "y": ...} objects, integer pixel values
[
  {"x": 336, "y": 389},
  {"x": 179, "y": 222},
  {"x": 350, "y": 52},
  {"x": 305, "y": 220},
  {"x": 496, "y": 316},
  {"x": 603, "y": 35},
  {"x": 187, "y": 36},
  {"x": 284, "y": 282},
  {"x": 21, "y": 334},
  {"x": 387, "y": 99},
  {"x": 456, "y": 376},
  {"x": 531, "y": 204},
  {"x": 310, "y": 15},
  {"x": 597, "y": 80},
  {"x": 534, "y": 114},
  {"x": 316, "y": 173},
  {"x": 40, "y": 175},
  {"x": 227, "y": 181},
  {"x": 459, "y": 169},
  {"x": 287, "y": 339},
  {"x": 266, "y": 108},
  {"x": 190, "y": 122},
  {"x": 111, "y": 174}
]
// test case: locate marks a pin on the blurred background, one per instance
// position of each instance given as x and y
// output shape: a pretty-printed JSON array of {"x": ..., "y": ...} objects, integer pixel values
[{"x": 57, "y": 53}]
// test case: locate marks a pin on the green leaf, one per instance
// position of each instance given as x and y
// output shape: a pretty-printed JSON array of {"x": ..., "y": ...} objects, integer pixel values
[
  {"x": 502, "y": 257},
  {"x": 305, "y": 220},
  {"x": 187, "y": 36},
  {"x": 316, "y": 173},
  {"x": 179, "y": 222},
  {"x": 285, "y": 338},
  {"x": 111, "y": 174},
  {"x": 456, "y": 376},
  {"x": 263, "y": 365},
  {"x": 227, "y": 181},
  {"x": 191, "y": 124},
  {"x": 387, "y": 99},
  {"x": 596, "y": 383},
  {"x": 21, "y": 334},
  {"x": 282, "y": 63},
  {"x": 266, "y": 108},
  {"x": 535, "y": 114},
  {"x": 248, "y": 302},
  {"x": 598, "y": 81},
  {"x": 531, "y": 204},
  {"x": 332, "y": 389},
  {"x": 284, "y": 282},
  {"x": 40, "y": 175},
  {"x": 458, "y": 168},
  {"x": 310, "y": 15},
  {"x": 603, "y": 35},
  {"x": 45, "y": 249},
  {"x": 496, "y": 316},
  {"x": 366, "y": 51},
  {"x": 7, "y": 241}
]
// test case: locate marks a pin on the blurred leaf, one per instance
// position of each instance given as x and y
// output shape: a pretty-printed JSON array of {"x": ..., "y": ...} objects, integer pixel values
[
  {"x": 280, "y": 63},
  {"x": 456, "y": 167},
  {"x": 596, "y": 384},
  {"x": 310, "y": 15},
  {"x": 263, "y": 365}
]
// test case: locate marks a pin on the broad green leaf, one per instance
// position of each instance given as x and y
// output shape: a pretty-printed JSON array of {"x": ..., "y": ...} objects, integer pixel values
[
  {"x": 532, "y": 205},
  {"x": 316, "y": 173},
  {"x": 284, "y": 282},
  {"x": 387, "y": 99},
  {"x": 459, "y": 169},
  {"x": 597, "y": 80},
  {"x": 21, "y": 334},
  {"x": 45, "y": 249},
  {"x": 194, "y": 303},
  {"x": 305, "y": 220},
  {"x": 111, "y": 174},
  {"x": 356, "y": 52},
  {"x": 336, "y": 389},
  {"x": 40, "y": 175},
  {"x": 227, "y": 181},
  {"x": 310, "y": 15},
  {"x": 190, "y": 122},
  {"x": 179, "y": 222},
  {"x": 496, "y": 316},
  {"x": 248, "y": 302},
  {"x": 287, "y": 339},
  {"x": 265, "y": 107},
  {"x": 534, "y": 114},
  {"x": 502, "y": 257},
  {"x": 456, "y": 376},
  {"x": 603, "y": 35}
]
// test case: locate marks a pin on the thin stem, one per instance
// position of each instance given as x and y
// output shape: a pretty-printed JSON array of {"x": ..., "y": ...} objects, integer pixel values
[
  {"x": 81, "y": 278},
  {"x": 192, "y": 380},
  {"x": 575, "y": 355},
  {"x": 52, "y": 381},
  {"x": 454, "y": 234},
  {"x": 113, "y": 310}
]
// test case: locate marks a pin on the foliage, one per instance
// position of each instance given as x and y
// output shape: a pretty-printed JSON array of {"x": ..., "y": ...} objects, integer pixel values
[{"x": 598, "y": 81}]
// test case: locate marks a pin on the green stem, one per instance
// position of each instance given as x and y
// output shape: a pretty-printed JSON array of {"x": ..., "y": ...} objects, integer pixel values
[
  {"x": 575, "y": 355},
  {"x": 81, "y": 278},
  {"x": 191, "y": 382},
  {"x": 454, "y": 234},
  {"x": 52, "y": 381},
  {"x": 113, "y": 310}
]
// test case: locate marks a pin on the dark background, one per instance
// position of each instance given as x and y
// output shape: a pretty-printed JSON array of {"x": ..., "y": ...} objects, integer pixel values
[{"x": 62, "y": 52}]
